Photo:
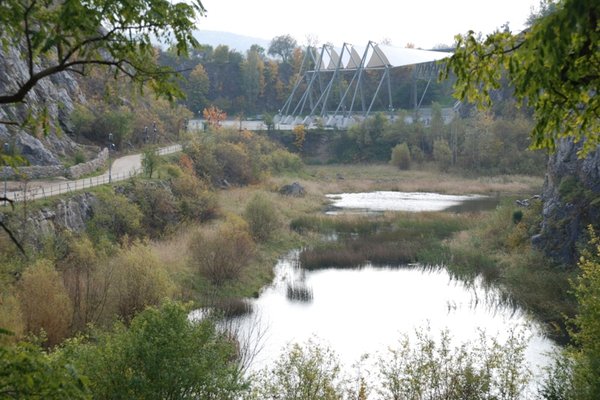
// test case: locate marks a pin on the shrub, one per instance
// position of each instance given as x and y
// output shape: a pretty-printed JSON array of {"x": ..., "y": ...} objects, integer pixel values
[
  {"x": 195, "y": 199},
  {"x": 139, "y": 281},
  {"x": 44, "y": 302},
  {"x": 428, "y": 369},
  {"x": 150, "y": 161},
  {"x": 442, "y": 154},
  {"x": 158, "y": 206},
  {"x": 282, "y": 160},
  {"x": 163, "y": 355},
  {"x": 309, "y": 372},
  {"x": 517, "y": 216},
  {"x": 220, "y": 255},
  {"x": 261, "y": 216},
  {"x": 237, "y": 167},
  {"x": 114, "y": 217},
  {"x": 400, "y": 156},
  {"x": 27, "y": 372}
]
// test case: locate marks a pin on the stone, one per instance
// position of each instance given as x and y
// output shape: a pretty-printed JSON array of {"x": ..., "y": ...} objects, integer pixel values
[{"x": 293, "y": 190}]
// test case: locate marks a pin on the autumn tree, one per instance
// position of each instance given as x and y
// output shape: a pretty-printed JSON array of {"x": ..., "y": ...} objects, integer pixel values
[
  {"x": 554, "y": 67},
  {"x": 214, "y": 116}
]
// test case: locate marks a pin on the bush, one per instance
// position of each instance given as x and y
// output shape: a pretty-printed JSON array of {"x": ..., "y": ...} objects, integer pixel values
[
  {"x": 114, "y": 217},
  {"x": 163, "y": 355},
  {"x": 195, "y": 199},
  {"x": 27, "y": 372},
  {"x": 310, "y": 372},
  {"x": 401, "y": 156},
  {"x": 157, "y": 205},
  {"x": 44, "y": 302},
  {"x": 282, "y": 160},
  {"x": 220, "y": 255},
  {"x": 261, "y": 216},
  {"x": 442, "y": 154},
  {"x": 435, "y": 370},
  {"x": 139, "y": 281}
]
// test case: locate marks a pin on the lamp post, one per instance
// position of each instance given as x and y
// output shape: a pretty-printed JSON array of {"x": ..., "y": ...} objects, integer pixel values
[
  {"x": 110, "y": 147},
  {"x": 6, "y": 150}
]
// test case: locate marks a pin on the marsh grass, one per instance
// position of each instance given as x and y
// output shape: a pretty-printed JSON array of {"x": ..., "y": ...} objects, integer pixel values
[
  {"x": 500, "y": 251},
  {"x": 391, "y": 239}
]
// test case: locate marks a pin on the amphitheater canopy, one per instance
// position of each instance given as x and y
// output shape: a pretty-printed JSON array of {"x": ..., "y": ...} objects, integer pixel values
[
  {"x": 351, "y": 57},
  {"x": 334, "y": 87}
]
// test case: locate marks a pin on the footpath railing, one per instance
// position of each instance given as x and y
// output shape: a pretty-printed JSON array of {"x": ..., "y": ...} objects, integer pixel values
[{"x": 35, "y": 190}]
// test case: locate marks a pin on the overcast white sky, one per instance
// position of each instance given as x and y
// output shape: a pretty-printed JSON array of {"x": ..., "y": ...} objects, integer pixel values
[{"x": 425, "y": 23}]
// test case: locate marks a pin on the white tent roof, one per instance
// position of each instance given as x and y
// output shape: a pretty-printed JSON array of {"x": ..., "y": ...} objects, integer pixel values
[{"x": 378, "y": 56}]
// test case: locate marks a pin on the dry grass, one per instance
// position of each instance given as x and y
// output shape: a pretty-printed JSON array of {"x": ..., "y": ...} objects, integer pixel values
[{"x": 359, "y": 178}]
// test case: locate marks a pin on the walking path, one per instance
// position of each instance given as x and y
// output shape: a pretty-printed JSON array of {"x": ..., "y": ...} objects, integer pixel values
[{"x": 122, "y": 168}]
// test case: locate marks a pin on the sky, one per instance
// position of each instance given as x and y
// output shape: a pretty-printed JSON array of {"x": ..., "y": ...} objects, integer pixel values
[{"x": 424, "y": 23}]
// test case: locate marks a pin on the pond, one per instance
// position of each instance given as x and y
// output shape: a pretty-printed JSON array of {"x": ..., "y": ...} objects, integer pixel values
[
  {"x": 365, "y": 310},
  {"x": 409, "y": 201}
]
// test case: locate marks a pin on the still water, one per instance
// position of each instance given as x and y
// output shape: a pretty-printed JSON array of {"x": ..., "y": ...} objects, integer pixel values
[{"x": 365, "y": 310}]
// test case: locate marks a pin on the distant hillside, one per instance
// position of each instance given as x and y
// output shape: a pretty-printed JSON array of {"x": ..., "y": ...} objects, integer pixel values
[{"x": 235, "y": 41}]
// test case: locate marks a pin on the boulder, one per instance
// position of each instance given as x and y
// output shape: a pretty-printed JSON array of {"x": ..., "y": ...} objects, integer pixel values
[{"x": 294, "y": 190}]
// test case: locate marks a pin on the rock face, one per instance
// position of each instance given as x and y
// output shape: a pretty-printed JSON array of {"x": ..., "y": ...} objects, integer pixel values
[
  {"x": 54, "y": 96},
  {"x": 571, "y": 198},
  {"x": 71, "y": 214}
]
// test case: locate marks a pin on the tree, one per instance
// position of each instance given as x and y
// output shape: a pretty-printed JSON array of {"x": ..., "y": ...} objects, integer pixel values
[
  {"x": 150, "y": 161},
  {"x": 71, "y": 36},
  {"x": 253, "y": 80},
  {"x": 197, "y": 89},
  {"x": 553, "y": 67},
  {"x": 283, "y": 46}
]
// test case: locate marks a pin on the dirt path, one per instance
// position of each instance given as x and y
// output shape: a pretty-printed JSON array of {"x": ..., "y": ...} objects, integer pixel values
[{"x": 122, "y": 168}]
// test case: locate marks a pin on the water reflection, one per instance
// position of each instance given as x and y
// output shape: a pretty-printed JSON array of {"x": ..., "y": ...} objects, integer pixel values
[
  {"x": 373, "y": 202},
  {"x": 364, "y": 310}
]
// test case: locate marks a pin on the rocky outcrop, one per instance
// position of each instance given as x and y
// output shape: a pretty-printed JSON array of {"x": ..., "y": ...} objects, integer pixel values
[
  {"x": 70, "y": 214},
  {"x": 571, "y": 197},
  {"x": 52, "y": 99}
]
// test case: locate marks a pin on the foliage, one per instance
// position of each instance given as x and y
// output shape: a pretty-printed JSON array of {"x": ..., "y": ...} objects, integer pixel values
[
  {"x": 308, "y": 372},
  {"x": 220, "y": 255},
  {"x": 138, "y": 281},
  {"x": 27, "y": 372},
  {"x": 282, "y": 46},
  {"x": 299, "y": 136},
  {"x": 552, "y": 67},
  {"x": 587, "y": 323},
  {"x": 158, "y": 206},
  {"x": 73, "y": 35},
  {"x": 115, "y": 217},
  {"x": 197, "y": 88},
  {"x": 214, "y": 116},
  {"x": 485, "y": 369},
  {"x": 162, "y": 355},
  {"x": 400, "y": 156},
  {"x": 442, "y": 154},
  {"x": 150, "y": 161},
  {"x": 45, "y": 304},
  {"x": 86, "y": 280},
  {"x": 195, "y": 199},
  {"x": 261, "y": 215}
]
